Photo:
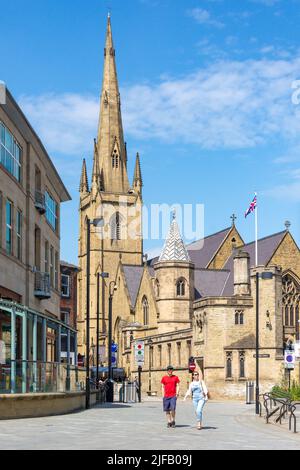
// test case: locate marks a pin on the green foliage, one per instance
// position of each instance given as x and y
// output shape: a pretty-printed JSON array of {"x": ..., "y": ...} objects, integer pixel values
[
  {"x": 282, "y": 390},
  {"x": 295, "y": 391}
]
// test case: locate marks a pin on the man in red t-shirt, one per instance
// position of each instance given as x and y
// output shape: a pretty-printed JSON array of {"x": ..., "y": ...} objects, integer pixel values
[{"x": 170, "y": 392}]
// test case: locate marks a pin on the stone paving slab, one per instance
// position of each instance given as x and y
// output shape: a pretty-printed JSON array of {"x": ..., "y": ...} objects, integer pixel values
[{"x": 228, "y": 425}]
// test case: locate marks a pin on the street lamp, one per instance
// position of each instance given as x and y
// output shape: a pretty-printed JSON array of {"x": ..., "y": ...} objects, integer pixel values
[
  {"x": 150, "y": 343},
  {"x": 263, "y": 275},
  {"x": 98, "y": 222},
  {"x": 110, "y": 390},
  {"x": 104, "y": 276}
]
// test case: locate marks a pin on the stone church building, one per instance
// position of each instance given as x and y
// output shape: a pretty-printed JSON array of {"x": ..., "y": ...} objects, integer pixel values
[{"x": 196, "y": 300}]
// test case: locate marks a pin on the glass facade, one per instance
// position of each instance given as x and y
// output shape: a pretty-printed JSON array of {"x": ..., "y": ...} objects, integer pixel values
[
  {"x": 31, "y": 359},
  {"x": 51, "y": 211},
  {"x": 8, "y": 233},
  {"x": 65, "y": 285},
  {"x": 10, "y": 152},
  {"x": 19, "y": 235}
]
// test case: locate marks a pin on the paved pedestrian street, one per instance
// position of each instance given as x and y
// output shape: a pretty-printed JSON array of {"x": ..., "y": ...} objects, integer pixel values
[{"x": 228, "y": 425}]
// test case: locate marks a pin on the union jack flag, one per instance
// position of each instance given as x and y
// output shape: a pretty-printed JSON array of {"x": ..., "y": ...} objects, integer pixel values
[{"x": 252, "y": 206}]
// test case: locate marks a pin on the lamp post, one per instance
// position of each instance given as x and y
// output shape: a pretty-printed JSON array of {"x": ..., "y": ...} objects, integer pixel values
[
  {"x": 150, "y": 343},
  {"x": 96, "y": 223},
  {"x": 99, "y": 275},
  {"x": 110, "y": 390},
  {"x": 263, "y": 275}
]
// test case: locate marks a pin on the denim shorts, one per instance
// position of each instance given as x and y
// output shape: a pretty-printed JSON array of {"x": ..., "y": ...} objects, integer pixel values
[{"x": 170, "y": 403}]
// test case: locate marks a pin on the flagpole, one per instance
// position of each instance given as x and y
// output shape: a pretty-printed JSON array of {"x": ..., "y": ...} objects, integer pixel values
[{"x": 256, "y": 233}]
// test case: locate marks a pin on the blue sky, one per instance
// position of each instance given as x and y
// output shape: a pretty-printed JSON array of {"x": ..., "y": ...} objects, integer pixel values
[{"x": 207, "y": 99}]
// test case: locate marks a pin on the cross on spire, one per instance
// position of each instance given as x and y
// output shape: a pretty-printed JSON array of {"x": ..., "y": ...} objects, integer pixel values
[
  {"x": 233, "y": 218},
  {"x": 287, "y": 224}
]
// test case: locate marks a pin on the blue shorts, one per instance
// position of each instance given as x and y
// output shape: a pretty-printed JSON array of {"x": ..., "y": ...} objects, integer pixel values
[{"x": 170, "y": 404}]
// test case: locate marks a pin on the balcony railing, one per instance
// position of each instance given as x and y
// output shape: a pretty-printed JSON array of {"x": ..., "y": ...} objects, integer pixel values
[
  {"x": 40, "y": 202},
  {"x": 42, "y": 285}
]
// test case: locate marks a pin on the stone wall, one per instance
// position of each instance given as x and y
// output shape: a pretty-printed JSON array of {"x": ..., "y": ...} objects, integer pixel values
[{"x": 38, "y": 405}]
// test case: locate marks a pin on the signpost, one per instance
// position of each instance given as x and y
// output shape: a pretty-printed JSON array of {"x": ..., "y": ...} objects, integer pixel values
[
  {"x": 289, "y": 363},
  {"x": 192, "y": 365},
  {"x": 139, "y": 355},
  {"x": 297, "y": 349},
  {"x": 114, "y": 351},
  {"x": 289, "y": 359}
]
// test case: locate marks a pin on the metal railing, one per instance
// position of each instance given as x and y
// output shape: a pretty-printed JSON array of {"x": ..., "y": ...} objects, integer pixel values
[
  {"x": 42, "y": 285},
  {"x": 38, "y": 377},
  {"x": 40, "y": 203}
]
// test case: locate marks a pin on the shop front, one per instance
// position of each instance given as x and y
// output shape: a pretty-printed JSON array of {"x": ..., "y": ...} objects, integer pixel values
[{"x": 31, "y": 352}]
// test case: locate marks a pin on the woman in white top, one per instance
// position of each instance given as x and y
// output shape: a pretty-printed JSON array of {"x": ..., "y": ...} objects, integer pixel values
[{"x": 199, "y": 392}]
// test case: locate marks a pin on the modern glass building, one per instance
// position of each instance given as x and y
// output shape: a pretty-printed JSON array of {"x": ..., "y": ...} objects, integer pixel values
[
  {"x": 32, "y": 331},
  {"x": 30, "y": 351}
]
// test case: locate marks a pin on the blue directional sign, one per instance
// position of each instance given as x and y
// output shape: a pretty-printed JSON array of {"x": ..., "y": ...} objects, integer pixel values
[
  {"x": 114, "y": 348},
  {"x": 289, "y": 359}
]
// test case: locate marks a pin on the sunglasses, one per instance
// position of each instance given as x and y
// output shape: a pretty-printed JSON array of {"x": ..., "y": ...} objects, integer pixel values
[{"x": 195, "y": 375}]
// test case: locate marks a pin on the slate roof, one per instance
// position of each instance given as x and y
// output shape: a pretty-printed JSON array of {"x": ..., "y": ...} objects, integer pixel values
[
  {"x": 266, "y": 248},
  {"x": 202, "y": 251},
  {"x": 133, "y": 276},
  {"x": 210, "y": 282},
  {"x": 248, "y": 342}
]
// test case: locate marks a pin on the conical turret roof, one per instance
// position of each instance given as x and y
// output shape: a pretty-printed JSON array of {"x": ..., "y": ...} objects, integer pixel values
[{"x": 174, "y": 248}]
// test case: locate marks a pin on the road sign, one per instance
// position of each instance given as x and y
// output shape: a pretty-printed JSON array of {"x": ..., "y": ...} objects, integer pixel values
[
  {"x": 261, "y": 355},
  {"x": 297, "y": 349},
  {"x": 289, "y": 359},
  {"x": 114, "y": 359},
  {"x": 139, "y": 352},
  {"x": 114, "y": 348}
]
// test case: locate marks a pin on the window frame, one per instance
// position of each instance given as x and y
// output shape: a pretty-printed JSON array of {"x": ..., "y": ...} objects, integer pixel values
[
  {"x": 229, "y": 359},
  {"x": 180, "y": 287},
  {"x": 19, "y": 230},
  {"x": 15, "y": 166},
  {"x": 145, "y": 305},
  {"x": 51, "y": 213},
  {"x": 9, "y": 227},
  {"x": 68, "y": 295}
]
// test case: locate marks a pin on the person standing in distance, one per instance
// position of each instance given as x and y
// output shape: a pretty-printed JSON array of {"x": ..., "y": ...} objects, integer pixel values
[{"x": 170, "y": 392}]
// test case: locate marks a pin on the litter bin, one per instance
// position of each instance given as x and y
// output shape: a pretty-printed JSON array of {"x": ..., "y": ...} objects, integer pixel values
[
  {"x": 129, "y": 392},
  {"x": 250, "y": 393}
]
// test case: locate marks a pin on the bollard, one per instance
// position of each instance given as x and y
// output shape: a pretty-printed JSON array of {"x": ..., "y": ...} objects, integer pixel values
[{"x": 249, "y": 393}]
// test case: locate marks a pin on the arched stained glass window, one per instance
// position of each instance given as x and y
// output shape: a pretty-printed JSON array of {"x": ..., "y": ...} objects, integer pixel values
[
  {"x": 145, "y": 305},
  {"x": 290, "y": 301},
  {"x": 180, "y": 287}
]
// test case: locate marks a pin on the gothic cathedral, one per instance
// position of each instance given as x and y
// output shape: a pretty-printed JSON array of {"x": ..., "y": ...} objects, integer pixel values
[{"x": 197, "y": 300}]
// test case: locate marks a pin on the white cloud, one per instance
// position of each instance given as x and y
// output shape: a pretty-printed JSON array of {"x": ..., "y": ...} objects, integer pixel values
[
  {"x": 227, "y": 105},
  {"x": 287, "y": 192},
  {"x": 66, "y": 123},
  {"x": 203, "y": 16}
]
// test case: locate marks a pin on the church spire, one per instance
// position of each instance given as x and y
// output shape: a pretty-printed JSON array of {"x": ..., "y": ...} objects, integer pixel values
[
  {"x": 174, "y": 248},
  {"x": 137, "y": 179},
  {"x": 110, "y": 144},
  {"x": 84, "y": 184},
  {"x": 96, "y": 175}
]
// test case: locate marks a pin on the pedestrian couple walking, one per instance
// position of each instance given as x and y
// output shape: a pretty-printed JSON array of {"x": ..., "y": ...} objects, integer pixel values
[{"x": 170, "y": 391}]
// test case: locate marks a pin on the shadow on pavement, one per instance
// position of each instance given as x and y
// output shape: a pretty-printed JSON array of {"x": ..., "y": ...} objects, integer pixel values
[
  {"x": 112, "y": 405},
  {"x": 207, "y": 427}
]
